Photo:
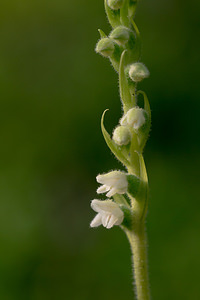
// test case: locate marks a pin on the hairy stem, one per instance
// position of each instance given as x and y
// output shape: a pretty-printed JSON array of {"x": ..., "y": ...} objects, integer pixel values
[{"x": 138, "y": 243}]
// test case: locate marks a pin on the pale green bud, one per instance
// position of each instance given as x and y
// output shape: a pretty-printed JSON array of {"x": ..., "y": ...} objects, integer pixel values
[
  {"x": 138, "y": 72},
  {"x": 135, "y": 118},
  {"x": 121, "y": 135},
  {"x": 121, "y": 35},
  {"x": 105, "y": 47},
  {"x": 115, "y": 4}
]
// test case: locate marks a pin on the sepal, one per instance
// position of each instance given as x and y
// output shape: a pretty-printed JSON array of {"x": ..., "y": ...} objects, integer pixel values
[
  {"x": 133, "y": 185},
  {"x": 128, "y": 217}
]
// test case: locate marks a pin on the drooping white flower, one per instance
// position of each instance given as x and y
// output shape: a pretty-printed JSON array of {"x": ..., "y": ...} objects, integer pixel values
[
  {"x": 114, "y": 182},
  {"x": 135, "y": 118},
  {"x": 108, "y": 213}
]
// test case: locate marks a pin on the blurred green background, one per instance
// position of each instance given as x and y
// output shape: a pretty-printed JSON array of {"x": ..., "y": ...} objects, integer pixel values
[{"x": 53, "y": 90}]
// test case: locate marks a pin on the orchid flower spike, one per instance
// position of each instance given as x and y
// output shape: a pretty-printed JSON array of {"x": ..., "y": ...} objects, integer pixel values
[
  {"x": 108, "y": 213},
  {"x": 114, "y": 182}
]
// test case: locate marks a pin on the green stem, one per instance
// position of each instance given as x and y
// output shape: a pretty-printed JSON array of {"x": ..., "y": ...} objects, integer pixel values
[{"x": 138, "y": 243}]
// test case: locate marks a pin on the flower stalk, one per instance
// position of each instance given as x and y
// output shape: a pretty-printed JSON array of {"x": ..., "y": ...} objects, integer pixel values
[{"x": 127, "y": 190}]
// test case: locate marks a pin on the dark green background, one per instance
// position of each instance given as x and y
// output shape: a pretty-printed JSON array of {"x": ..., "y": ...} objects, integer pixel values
[{"x": 53, "y": 90}]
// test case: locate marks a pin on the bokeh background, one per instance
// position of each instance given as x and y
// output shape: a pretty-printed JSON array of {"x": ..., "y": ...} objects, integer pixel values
[{"x": 53, "y": 90}]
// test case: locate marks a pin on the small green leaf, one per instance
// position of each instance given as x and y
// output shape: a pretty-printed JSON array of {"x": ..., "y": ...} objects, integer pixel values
[
  {"x": 132, "y": 8},
  {"x": 144, "y": 186},
  {"x": 146, "y": 103},
  {"x": 124, "y": 14},
  {"x": 116, "y": 150},
  {"x": 123, "y": 84},
  {"x": 113, "y": 15},
  {"x": 134, "y": 157},
  {"x": 102, "y": 34}
]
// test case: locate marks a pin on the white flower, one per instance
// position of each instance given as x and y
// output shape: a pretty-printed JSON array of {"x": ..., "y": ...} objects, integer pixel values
[
  {"x": 114, "y": 182},
  {"x": 134, "y": 118},
  {"x": 108, "y": 213}
]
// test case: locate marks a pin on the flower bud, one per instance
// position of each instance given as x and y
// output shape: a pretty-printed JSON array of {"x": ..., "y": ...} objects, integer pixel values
[
  {"x": 115, "y": 4},
  {"x": 135, "y": 118},
  {"x": 138, "y": 72},
  {"x": 122, "y": 135},
  {"x": 105, "y": 47},
  {"x": 121, "y": 35}
]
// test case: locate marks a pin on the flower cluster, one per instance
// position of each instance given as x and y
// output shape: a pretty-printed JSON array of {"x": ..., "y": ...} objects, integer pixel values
[
  {"x": 115, "y": 182},
  {"x": 122, "y": 47}
]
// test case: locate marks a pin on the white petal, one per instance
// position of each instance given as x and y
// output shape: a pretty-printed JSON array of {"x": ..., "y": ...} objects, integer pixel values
[
  {"x": 120, "y": 218},
  {"x": 112, "y": 192},
  {"x": 105, "y": 219},
  {"x": 122, "y": 190},
  {"x": 106, "y": 207},
  {"x": 96, "y": 205},
  {"x": 103, "y": 189},
  {"x": 112, "y": 221},
  {"x": 114, "y": 178},
  {"x": 103, "y": 206},
  {"x": 96, "y": 221}
]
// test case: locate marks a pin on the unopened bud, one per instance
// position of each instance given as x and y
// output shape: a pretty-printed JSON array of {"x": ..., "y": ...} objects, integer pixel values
[
  {"x": 122, "y": 135},
  {"x": 115, "y": 4},
  {"x": 105, "y": 47},
  {"x": 138, "y": 72},
  {"x": 135, "y": 118},
  {"x": 120, "y": 34}
]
